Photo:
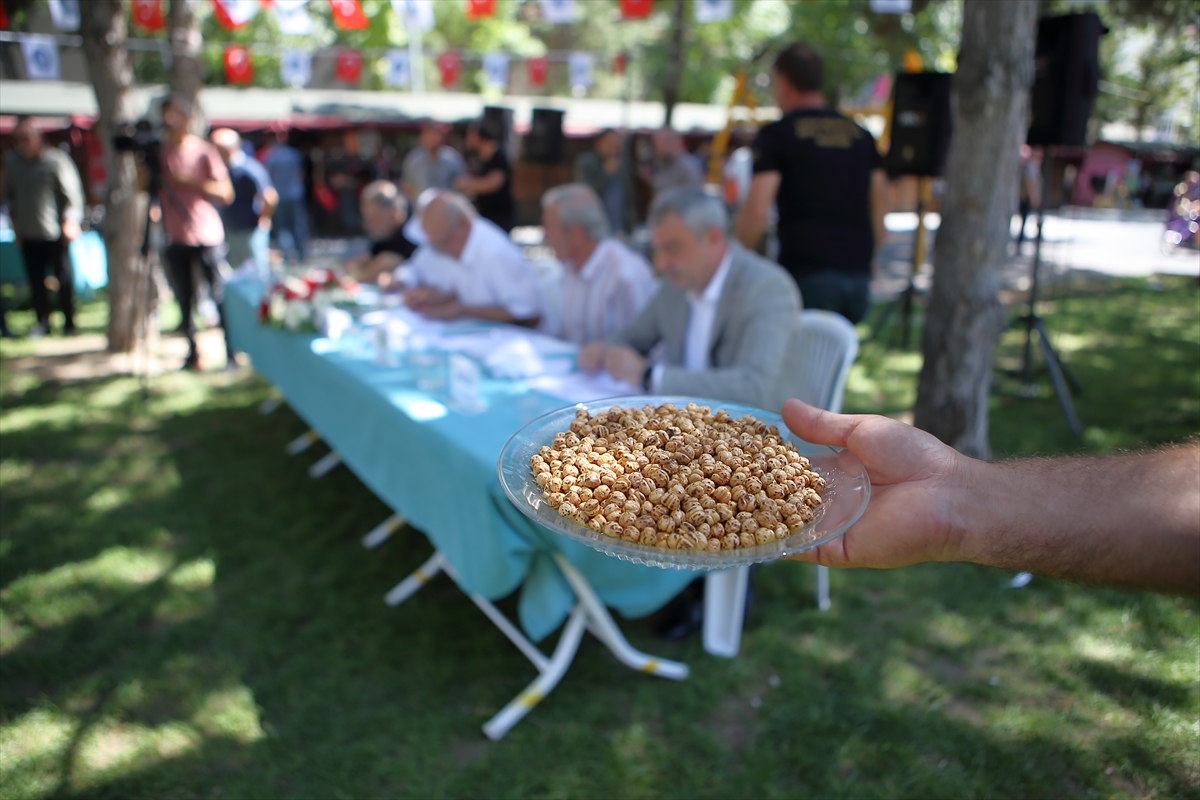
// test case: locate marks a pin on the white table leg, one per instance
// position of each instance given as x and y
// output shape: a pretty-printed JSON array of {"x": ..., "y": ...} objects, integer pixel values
[
  {"x": 327, "y": 462},
  {"x": 823, "y": 602},
  {"x": 302, "y": 442},
  {"x": 725, "y": 610},
  {"x": 269, "y": 405},
  {"x": 409, "y": 586},
  {"x": 383, "y": 531},
  {"x": 556, "y": 667}
]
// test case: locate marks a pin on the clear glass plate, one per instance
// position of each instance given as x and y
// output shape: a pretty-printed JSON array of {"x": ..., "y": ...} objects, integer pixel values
[{"x": 847, "y": 490}]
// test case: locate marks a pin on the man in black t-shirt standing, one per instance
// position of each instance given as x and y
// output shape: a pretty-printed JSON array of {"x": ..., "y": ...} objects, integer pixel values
[
  {"x": 492, "y": 189},
  {"x": 825, "y": 176}
]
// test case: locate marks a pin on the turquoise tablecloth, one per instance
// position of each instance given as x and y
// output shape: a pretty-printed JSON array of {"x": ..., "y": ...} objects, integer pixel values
[{"x": 437, "y": 467}]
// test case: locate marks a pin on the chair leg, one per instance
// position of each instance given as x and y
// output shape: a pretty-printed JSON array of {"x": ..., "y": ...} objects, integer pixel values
[
  {"x": 556, "y": 667},
  {"x": 302, "y": 442},
  {"x": 327, "y": 462},
  {"x": 724, "y": 610},
  {"x": 823, "y": 588},
  {"x": 383, "y": 531},
  {"x": 420, "y": 576}
]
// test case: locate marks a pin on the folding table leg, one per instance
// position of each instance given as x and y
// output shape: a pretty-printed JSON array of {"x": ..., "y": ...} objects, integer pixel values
[
  {"x": 269, "y": 405},
  {"x": 327, "y": 462},
  {"x": 601, "y": 623},
  {"x": 408, "y": 587},
  {"x": 725, "y": 610},
  {"x": 823, "y": 588},
  {"x": 302, "y": 442},
  {"x": 383, "y": 531},
  {"x": 564, "y": 654}
]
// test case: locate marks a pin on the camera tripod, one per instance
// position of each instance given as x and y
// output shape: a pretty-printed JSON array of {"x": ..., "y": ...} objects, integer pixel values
[{"x": 907, "y": 298}]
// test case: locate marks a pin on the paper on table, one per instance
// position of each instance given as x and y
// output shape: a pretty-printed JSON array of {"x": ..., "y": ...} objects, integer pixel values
[
  {"x": 579, "y": 387},
  {"x": 481, "y": 344}
]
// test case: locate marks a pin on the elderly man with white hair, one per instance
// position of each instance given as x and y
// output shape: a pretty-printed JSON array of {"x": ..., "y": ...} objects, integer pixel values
[
  {"x": 605, "y": 284},
  {"x": 469, "y": 267},
  {"x": 384, "y": 209},
  {"x": 728, "y": 317}
]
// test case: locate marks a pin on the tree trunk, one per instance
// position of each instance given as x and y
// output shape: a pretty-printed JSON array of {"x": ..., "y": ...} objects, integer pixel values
[
  {"x": 965, "y": 319},
  {"x": 103, "y": 28},
  {"x": 184, "y": 76},
  {"x": 674, "y": 65}
]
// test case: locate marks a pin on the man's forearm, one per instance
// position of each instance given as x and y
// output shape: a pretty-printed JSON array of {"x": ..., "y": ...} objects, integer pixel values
[
  {"x": 750, "y": 225},
  {"x": 1126, "y": 520}
]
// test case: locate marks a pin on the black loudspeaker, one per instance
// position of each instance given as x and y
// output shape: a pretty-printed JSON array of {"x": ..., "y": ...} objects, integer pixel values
[
  {"x": 544, "y": 144},
  {"x": 498, "y": 121},
  {"x": 920, "y": 136},
  {"x": 1066, "y": 71}
]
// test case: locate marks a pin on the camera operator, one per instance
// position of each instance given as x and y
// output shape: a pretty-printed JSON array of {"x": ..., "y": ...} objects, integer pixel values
[
  {"x": 193, "y": 178},
  {"x": 45, "y": 197}
]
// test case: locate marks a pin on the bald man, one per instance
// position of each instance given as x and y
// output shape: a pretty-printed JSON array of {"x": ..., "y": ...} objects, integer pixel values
[
  {"x": 247, "y": 219},
  {"x": 384, "y": 209},
  {"x": 470, "y": 268}
]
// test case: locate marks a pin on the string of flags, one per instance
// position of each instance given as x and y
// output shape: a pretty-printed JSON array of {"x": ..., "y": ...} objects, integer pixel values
[{"x": 40, "y": 52}]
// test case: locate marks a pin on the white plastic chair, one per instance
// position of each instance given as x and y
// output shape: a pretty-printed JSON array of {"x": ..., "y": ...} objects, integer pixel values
[{"x": 830, "y": 345}]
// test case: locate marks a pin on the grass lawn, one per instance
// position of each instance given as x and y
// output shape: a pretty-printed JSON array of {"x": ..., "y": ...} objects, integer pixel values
[{"x": 184, "y": 613}]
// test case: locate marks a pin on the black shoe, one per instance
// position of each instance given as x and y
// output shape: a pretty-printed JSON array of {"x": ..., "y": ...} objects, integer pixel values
[
  {"x": 191, "y": 364},
  {"x": 69, "y": 329},
  {"x": 38, "y": 331},
  {"x": 684, "y": 615}
]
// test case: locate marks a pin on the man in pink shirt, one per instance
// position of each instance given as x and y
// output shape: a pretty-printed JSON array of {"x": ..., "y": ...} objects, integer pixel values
[{"x": 194, "y": 178}]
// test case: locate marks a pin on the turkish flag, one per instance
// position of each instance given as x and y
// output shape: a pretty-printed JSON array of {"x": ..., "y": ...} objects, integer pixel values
[
  {"x": 348, "y": 15},
  {"x": 233, "y": 14},
  {"x": 449, "y": 64},
  {"x": 238, "y": 66},
  {"x": 348, "y": 66},
  {"x": 478, "y": 9},
  {"x": 3, "y": 17},
  {"x": 148, "y": 14},
  {"x": 538, "y": 67},
  {"x": 636, "y": 9},
  {"x": 618, "y": 65}
]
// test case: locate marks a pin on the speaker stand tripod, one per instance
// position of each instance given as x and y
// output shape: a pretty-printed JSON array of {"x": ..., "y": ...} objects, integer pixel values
[
  {"x": 1064, "y": 382},
  {"x": 908, "y": 297}
]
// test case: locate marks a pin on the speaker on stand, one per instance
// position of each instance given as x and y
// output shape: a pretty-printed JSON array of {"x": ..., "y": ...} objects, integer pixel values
[
  {"x": 544, "y": 143},
  {"x": 1066, "y": 73},
  {"x": 920, "y": 141}
]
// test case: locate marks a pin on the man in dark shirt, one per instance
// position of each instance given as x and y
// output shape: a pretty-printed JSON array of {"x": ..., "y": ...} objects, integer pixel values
[
  {"x": 825, "y": 176},
  {"x": 384, "y": 210},
  {"x": 492, "y": 189},
  {"x": 247, "y": 219}
]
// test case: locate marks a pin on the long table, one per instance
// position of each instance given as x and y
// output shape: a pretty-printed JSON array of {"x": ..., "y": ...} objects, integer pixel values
[{"x": 436, "y": 465}]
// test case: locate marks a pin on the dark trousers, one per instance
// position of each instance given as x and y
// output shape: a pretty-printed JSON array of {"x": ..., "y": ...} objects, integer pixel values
[
  {"x": 179, "y": 259},
  {"x": 42, "y": 258},
  {"x": 849, "y": 294},
  {"x": 1024, "y": 209}
]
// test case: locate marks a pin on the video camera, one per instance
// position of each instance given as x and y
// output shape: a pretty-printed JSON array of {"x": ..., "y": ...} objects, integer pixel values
[{"x": 142, "y": 139}]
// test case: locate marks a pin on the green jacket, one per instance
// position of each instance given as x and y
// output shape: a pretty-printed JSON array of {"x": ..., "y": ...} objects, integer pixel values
[{"x": 42, "y": 192}]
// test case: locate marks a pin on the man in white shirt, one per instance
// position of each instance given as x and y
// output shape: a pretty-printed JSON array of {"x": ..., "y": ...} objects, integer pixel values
[
  {"x": 470, "y": 268},
  {"x": 605, "y": 284},
  {"x": 728, "y": 318}
]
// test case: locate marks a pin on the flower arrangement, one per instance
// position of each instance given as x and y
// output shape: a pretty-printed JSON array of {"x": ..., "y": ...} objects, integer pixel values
[{"x": 297, "y": 302}]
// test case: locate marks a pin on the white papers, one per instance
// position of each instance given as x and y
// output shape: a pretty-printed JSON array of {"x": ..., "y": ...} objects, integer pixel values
[
  {"x": 495, "y": 69},
  {"x": 295, "y": 67},
  {"x": 65, "y": 14},
  {"x": 292, "y": 17},
  {"x": 580, "y": 67},
  {"x": 41, "y": 57},
  {"x": 464, "y": 385},
  {"x": 398, "y": 72},
  {"x": 712, "y": 10},
  {"x": 558, "y": 12},
  {"x": 580, "y": 387}
]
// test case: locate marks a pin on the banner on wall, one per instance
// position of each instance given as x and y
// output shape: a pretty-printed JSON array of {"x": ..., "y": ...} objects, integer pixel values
[
  {"x": 891, "y": 6},
  {"x": 449, "y": 64},
  {"x": 537, "y": 69},
  {"x": 636, "y": 9},
  {"x": 65, "y": 14},
  {"x": 239, "y": 69},
  {"x": 480, "y": 9},
  {"x": 495, "y": 69},
  {"x": 232, "y": 14},
  {"x": 557, "y": 12},
  {"x": 148, "y": 15},
  {"x": 416, "y": 14},
  {"x": 41, "y": 57},
  {"x": 580, "y": 68},
  {"x": 398, "y": 71},
  {"x": 712, "y": 10},
  {"x": 295, "y": 67},
  {"x": 348, "y": 15},
  {"x": 348, "y": 66},
  {"x": 292, "y": 17}
]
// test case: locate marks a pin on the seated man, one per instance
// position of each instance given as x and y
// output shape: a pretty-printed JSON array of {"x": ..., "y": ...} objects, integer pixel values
[
  {"x": 727, "y": 317},
  {"x": 605, "y": 284},
  {"x": 384, "y": 210},
  {"x": 470, "y": 268}
]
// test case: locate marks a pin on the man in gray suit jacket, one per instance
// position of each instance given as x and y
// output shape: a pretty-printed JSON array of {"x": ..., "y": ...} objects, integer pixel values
[{"x": 728, "y": 319}]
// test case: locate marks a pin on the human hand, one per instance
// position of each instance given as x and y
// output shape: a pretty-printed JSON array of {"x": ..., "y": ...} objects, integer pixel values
[
  {"x": 591, "y": 357},
  {"x": 921, "y": 490},
  {"x": 70, "y": 230},
  {"x": 625, "y": 364},
  {"x": 445, "y": 309}
]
